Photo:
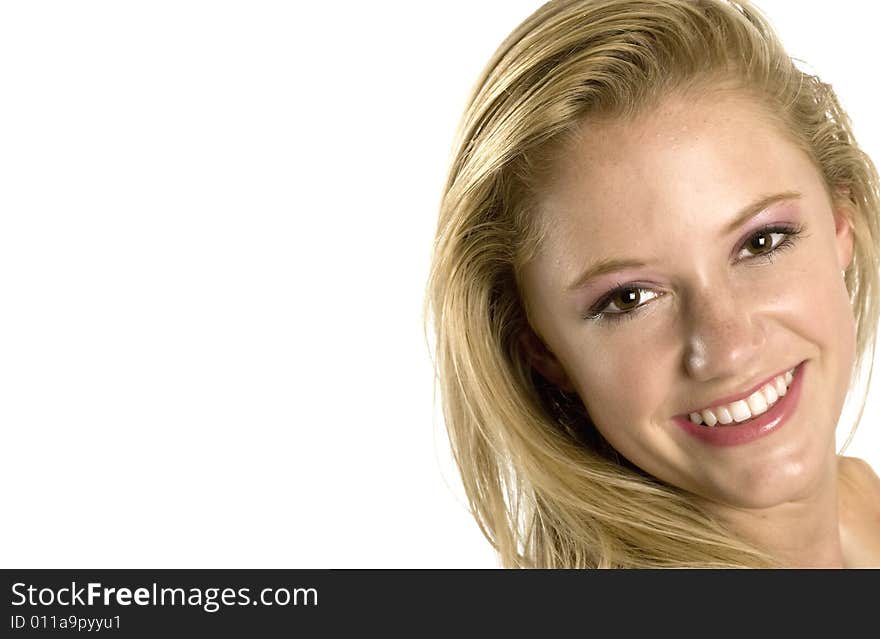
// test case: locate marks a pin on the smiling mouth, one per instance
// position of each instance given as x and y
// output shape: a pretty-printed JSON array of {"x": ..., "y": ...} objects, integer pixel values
[{"x": 747, "y": 408}]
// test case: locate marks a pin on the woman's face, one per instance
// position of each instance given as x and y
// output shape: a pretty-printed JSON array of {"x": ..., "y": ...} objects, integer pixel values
[{"x": 727, "y": 255}]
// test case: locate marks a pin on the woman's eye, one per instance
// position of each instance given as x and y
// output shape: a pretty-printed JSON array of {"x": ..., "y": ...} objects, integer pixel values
[
  {"x": 627, "y": 299},
  {"x": 624, "y": 300},
  {"x": 763, "y": 242}
]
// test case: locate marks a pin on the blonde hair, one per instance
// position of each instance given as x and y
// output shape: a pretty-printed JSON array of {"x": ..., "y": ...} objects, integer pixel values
[{"x": 543, "y": 485}]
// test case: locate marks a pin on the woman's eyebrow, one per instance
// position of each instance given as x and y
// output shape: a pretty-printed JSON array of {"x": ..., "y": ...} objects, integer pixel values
[
  {"x": 742, "y": 216},
  {"x": 600, "y": 268},
  {"x": 748, "y": 212}
]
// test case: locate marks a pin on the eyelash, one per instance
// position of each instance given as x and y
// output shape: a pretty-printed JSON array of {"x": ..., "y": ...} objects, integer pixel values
[{"x": 596, "y": 314}]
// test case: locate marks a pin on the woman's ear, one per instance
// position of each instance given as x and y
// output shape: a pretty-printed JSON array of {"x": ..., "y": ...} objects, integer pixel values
[
  {"x": 844, "y": 222},
  {"x": 544, "y": 361}
]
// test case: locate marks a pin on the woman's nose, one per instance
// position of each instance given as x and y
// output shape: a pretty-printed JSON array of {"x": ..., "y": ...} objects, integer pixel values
[{"x": 725, "y": 335}]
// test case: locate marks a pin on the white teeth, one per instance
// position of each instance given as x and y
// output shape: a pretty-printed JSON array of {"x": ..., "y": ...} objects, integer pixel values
[
  {"x": 757, "y": 403},
  {"x": 781, "y": 388},
  {"x": 740, "y": 411}
]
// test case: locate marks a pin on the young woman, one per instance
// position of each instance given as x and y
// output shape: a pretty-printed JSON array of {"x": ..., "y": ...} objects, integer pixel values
[{"x": 655, "y": 281}]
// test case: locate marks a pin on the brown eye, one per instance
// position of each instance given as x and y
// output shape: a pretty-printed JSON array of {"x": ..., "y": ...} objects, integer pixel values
[
  {"x": 626, "y": 299},
  {"x": 767, "y": 242},
  {"x": 760, "y": 243},
  {"x": 623, "y": 302}
]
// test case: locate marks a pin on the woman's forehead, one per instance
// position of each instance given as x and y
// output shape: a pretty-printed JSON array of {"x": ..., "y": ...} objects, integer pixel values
[{"x": 680, "y": 164}]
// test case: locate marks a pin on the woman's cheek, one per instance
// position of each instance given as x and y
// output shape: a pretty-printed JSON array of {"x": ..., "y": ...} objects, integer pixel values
[
  {"x": 618, "y": 388},
  {"x": 817, "y": 310},
  {"x": 822, "y": 300}
]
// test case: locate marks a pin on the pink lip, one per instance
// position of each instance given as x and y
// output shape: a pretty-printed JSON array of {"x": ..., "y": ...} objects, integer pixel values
[{"x": 750, "y": 430}]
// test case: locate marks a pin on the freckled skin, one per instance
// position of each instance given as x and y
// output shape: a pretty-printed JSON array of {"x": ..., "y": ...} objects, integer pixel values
[{"x": 664, "y": 188}]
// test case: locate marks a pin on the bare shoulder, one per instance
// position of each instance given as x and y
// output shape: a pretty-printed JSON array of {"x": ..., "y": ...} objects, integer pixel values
[
  {"x": 858, "y": 472},
  {"x": 859, "y": 486},
  {"x": 859, "y": 509}
]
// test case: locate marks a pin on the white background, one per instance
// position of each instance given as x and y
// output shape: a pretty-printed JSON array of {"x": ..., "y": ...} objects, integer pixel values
[{"x": 215, "y": 228}]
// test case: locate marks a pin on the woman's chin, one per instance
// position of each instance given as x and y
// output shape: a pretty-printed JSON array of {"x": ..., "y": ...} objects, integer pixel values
[{"x": 762, "y": 486}]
